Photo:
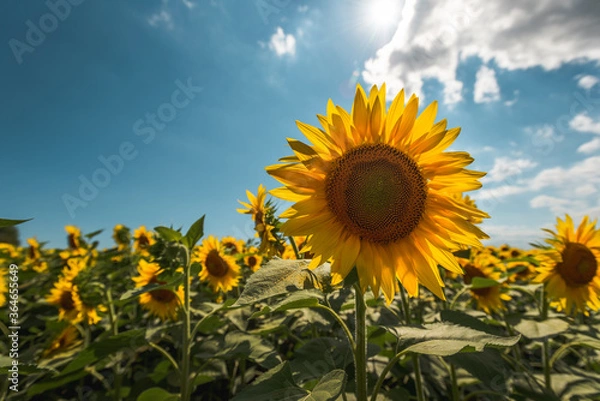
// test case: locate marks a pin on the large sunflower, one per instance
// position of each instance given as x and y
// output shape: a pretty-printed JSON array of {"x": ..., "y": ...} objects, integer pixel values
[
  {"x": 570, "y": 269},
  {"x": 219, "y": 269},
  {"x": 162, "y": 302},
  {"x": 375, "y": 190}
]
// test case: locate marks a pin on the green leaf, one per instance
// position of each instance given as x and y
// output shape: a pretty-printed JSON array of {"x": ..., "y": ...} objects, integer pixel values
[
  {"x": 487, "y": 366},
  {"x": 447, "y": 339},
  {"x": 150, "y": 287},
  {"x": 157, "y": 394},
  {"x": 51, "y": 383},
  {"x": 276, "y": 384},
  {"x": 194, "y": 234},
  {"x": 296, "y": 300},
  {"x": 9, "y": 223},
  {"x": 101, "y": 349},
  {"x": 329, "y": 388},
  {"x": 241, "y": 345},
  {"x": 463, "y": 319},
  {"x": 579, "y": 341},
  {"x": 535, "y": 330},
  {"x": 482, "y": 282},
  {"x": 463, "y": 253},
  {"x": 168, "y": 234},
  {"x": 93, "y": 234},
  {"x": 277, "y": 277}
]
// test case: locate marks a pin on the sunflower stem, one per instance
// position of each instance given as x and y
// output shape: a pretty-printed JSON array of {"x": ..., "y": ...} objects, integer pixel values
[
  {"x": 360, "y": 350},
  {"x": 455, "y": 392},
  {"x": 545, "y": 345},
  {"x": 186, "y": 329},
  {"x": 114, "y": 324},
  {"x": 294, "y": 247}
]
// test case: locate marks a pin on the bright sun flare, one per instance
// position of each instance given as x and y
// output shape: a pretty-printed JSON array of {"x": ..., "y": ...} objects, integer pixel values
[{"x": 381, "y": 13}]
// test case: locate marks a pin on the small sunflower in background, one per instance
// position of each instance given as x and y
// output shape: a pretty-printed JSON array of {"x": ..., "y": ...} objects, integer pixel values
[
  {"x": 374, "y": 190},
  {"x": 219, "y": 269},
  {"x": 65, "y": 295},
  {"x": 142, "y": 240},
  {"x": 259, "y": 209},
  {"x": 570, "y": 269},
  {"x": 3, "y": 286},
  {"x": 76, "y": 245},
  {"x": 253, "y": 259},
  {"x": 121, "y": 236},
  {"x": 485, "y": 265},
  {"x": 466, "y": 199},
  {"x": 65, "y": 341},
  {"x": 232, "y": 245},
  {"x": 33, "y": 251},
  {"x": 162, "y": 302}
]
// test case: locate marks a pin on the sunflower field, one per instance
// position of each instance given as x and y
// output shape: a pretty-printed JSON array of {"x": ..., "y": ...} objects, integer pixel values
[{"x": 372, "y": 285}]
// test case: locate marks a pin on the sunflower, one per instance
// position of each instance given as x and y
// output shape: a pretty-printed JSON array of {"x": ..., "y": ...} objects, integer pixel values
[
  {"x": 570, "y": 269},
  {"x": 65, "y": 341},
  {"x": 469, "y": 201},
  {"x": 162, "y": 302},
  {"x": 3, "y": 286},
  {"x": 219, "y": 269},
  {"x": 33, "y": 252},
  {"x": 259, "y": 209},
  {"x": 65, "y": 295},
  {"x": 143, "y": 239},
  {"x": 121, "y": 236},
  {"x": 232, "y": 245},
  {"x": 374, "y": 190},
  {"x": 253, "y": 260},
  {"x": 485, "y": 265},
  {"x": 73, "y": 237}
]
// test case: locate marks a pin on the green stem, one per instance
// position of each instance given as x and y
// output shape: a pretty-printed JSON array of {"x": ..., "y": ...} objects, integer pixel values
[
  {"x": 186, "y": 330},
  {"x": 455, "y": 392},
  {"x": 341, "y": 323},
  {"x": 418, "y": 378},
  {"x": 114, "y": 324},
  {"x": 384, "y": 373},
  {"x": 360, "y": 350},
  {"x": 166, "y": 355},
  {"x": 294, "y": 247},
  {"x": 546, "y": 361}
]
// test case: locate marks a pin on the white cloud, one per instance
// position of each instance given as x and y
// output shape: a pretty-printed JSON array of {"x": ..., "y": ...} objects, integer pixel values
[
  {"x": 161, "y": 18},
  {"x": 433, "y": 36},
  {"x": 302, "y": 9},
  {"x": 505, "y": 167},
  {"x": 515, "y": 235},
  {"x": 587, "y": 81},
  {"x": 587, "y": 170},
  {"x": 486, "y": 86},
  {"x": 584, "y": 123},
  {"x": 499, "y": 192},
  {"x": 282, "y": 44},
  {"x": 514, "y": 100},
  {"x": 585, "y": 189},
  {"x": 590, "y": 147}
]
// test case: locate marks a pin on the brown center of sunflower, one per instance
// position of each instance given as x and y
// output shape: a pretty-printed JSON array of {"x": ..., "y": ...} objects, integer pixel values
[
  {"x": 470, "y": 273},
  {"x": 73, "y": 241},
  {"x": 377, "y": 192},
  {"x": 143, "y": 241},
  {"x": 579, "y": 265},
  {"x": 252, "y": 261},
  {"x": 216, "y": 266},
  {"x": 161, "y": 295},
  {"x": 66, "y": 301}
]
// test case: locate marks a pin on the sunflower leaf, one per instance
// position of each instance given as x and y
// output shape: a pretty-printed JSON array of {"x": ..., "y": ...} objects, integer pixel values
[
  {"x": 168, "y": 234},
  {"x": 277, "y": 277},
  {"x": 329, "y": 388},
  {"x": 482, "y": 282},
  {"x": 276, "y": 384},
  {"x": 157, "y": 394},
  {"x": 10, "y": 223},
  {"x": 445, "y": 339},
  {"x": 535, "y": 330},
  {"x": 194, "y": 234}
]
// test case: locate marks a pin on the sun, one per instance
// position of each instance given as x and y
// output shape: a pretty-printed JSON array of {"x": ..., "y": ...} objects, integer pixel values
[{"x": 381, "y": 13}]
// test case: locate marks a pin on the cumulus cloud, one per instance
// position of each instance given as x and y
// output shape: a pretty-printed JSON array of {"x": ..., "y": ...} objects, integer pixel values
[
  {"x": 516, "y": 235},
  {"x": 505, "y": 167},
  {"x": 589, "y": 147},
  {"x": 587, "y": 170},
  {"x": 486, "y": 86},
  {"x": 433, "y": 37},
  {"x": 162, "y": 18},
  {"x": 582, "y": 122},
  {"x": 587, "y": 81},
  {"x": 282, "y": 44},
  {"x": 499, "y": 192}
]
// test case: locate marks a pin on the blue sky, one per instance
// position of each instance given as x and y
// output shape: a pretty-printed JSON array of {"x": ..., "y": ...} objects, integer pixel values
[{"x": 106, "y": 78}]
